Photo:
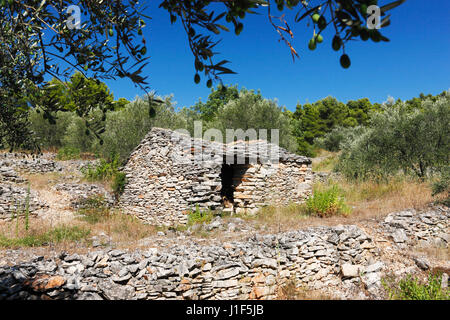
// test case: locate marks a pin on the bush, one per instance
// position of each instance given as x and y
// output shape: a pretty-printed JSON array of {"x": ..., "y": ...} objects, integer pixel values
[
  {"x": 103, "y": 171},
  {"x": 78, "y": 136},
  {"x": 411, "y": 288},
  {"x": 94, "y": 210},
  {"x": 251, "y": 111},
  {"x": 50, "y": 135},
  {"x": 326, "y": 202},
  {"x": 332, "y": 141},
  {"x": 442, "y": 185},
  {"x": 68, "y": 153},
  {"x": 126, "y": 128}
]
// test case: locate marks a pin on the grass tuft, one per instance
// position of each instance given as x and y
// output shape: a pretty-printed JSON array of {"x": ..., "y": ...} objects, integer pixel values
[
  {"x": 54, "y": 236},
  {"x": 326, "y": 202},
  {"x": 411, "y": 288}
]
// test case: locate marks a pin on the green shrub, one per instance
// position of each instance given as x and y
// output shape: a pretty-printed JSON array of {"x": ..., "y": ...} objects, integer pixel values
[
  {"x": 50, "y": 135},
  {"x": 327, "y": 202},
  {"x": 94, "y": 210},
  {"x": 333, "y": 140},
  {"x": 251, "y": 110},
  {"x": 442, "y": 185},
  {"x": 103, "y": 171},
  {"x": 126, "y": 128},
  {"x": 411, "y": 288},
  {"x": 199, "y": 216},
  {"x": 118, "y": 184},
  {"x": 77, "y": 136},
  {"x": 68, "y": 153}
]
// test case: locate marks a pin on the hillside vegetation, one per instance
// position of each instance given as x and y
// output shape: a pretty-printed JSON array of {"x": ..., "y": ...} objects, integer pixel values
[{"x": 368, "y": 141}]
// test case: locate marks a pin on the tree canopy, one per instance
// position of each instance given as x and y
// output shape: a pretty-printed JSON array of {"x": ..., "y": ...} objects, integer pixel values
[{"x": 40, "y": 38}]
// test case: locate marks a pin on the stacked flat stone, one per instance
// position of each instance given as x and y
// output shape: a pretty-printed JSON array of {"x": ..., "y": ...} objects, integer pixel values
[
  {"x": 252, "y": 269},
  {"x": 170, "y": 174},
  {"x": 13, "y": 201},
  {"x": 29, "y": 163},
  {"x": 8, "y": 174},
  {"x": 429, "y": 227},
  {"x": 81, "y": 193}
]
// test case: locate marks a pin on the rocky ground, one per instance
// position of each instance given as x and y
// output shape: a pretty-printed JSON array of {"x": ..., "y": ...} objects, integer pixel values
[{"x": 238, "y": 258}]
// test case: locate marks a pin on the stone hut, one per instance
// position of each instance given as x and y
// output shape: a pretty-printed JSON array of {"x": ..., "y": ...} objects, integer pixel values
[{"x": 170, "y": 174}]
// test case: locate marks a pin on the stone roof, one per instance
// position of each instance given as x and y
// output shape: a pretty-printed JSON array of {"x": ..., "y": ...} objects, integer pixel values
[{"x": 260, "y": 150}]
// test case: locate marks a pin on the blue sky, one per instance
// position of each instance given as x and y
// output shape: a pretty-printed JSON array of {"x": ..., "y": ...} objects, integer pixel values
[{"x": 415, "y": 60}]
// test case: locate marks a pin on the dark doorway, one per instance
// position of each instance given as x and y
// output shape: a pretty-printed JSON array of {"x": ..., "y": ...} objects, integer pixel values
[
  {"x": 232, "y": 176},
  {"x": 227, "y": 191}
]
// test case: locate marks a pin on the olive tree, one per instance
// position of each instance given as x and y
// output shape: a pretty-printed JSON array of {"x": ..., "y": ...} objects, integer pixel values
[{"x": 413, "y": 141}]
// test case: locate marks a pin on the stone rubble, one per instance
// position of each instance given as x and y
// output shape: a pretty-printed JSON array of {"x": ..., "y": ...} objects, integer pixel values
[
  {"x": 13, "y": 188},
  {"x": 8, "y": 174},
  {"x": 29, "y": 163},
  {"x": 81, "y": 193}
]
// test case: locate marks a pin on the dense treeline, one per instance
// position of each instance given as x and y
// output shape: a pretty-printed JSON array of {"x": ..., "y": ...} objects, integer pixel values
[{"x": 322, "y": 124}]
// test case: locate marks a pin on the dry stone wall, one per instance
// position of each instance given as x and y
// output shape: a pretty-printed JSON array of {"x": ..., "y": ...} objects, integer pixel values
[
  {"x": 254, "y": 269},
  {"x": 343, "y": 261},
  {"x": 14, "y": 189},
  {"x": 83, "y": 195},
  {"x": 29, "y": 163},
  {"x": 13, "y": 201},
  {"x": 259, "y": 185},
  {"x": 427, "y": 228}
]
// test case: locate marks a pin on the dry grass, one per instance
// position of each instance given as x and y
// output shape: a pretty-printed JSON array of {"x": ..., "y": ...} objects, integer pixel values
[
  {"x": 14, "y": 234},
  {"x": 124, "y": 230},
  {"x": 435, "y": 253},
  {"x": 372, "y": 199},
  {"x": 366, "y": 200},
  {"x": 277, "y": 218},
  {"x": 325, "y": 161},
  {"x": 42, "y": 181}
]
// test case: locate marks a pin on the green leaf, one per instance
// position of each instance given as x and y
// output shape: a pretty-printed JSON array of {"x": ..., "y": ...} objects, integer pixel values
[{"x": 391, "y": 5}]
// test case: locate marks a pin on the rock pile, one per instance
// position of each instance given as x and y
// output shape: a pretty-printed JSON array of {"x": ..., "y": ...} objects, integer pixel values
[
  {"x": 254, "y": 269},
  {"x": 29, "y": 163},
  {"x": 8, "y": 174},
  {"x": 430, "y": 227}
]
